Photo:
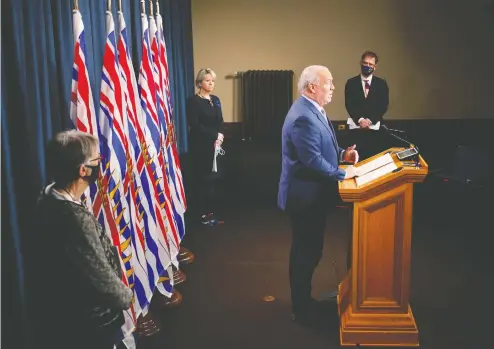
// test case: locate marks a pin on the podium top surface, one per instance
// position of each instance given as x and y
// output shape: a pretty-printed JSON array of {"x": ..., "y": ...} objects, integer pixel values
[{"x": 405, "y": 171}]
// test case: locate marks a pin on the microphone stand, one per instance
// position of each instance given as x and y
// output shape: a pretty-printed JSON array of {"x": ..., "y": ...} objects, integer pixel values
[{"x": 411, "y": 145}]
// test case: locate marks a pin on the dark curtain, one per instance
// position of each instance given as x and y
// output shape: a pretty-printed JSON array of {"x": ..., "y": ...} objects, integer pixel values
[
  {"x": 266, "y": 98},
  {"x": 37, "y": 57},
  {"x": 177, "y": 22}
]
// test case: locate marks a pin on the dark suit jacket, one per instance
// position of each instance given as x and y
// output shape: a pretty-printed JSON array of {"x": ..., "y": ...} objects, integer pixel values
[
  {"x": 310, "y": 158},
  {"x": 374, "y": 106}
]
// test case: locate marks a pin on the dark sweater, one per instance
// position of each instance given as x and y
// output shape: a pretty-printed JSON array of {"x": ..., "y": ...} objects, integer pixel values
[
  {"x": 205, "y": 121},
  {"x": 79, "y": 267}
]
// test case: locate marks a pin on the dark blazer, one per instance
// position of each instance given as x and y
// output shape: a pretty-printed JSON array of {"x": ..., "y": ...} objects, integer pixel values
[
  {"x": 205, "y": 121},
  {"x": 310, "y": 158},
  {"x": 374, "y": 106}
]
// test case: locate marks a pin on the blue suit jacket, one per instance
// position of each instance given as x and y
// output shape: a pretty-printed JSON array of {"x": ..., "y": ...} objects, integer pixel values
[{"x": 310, "y": 158}]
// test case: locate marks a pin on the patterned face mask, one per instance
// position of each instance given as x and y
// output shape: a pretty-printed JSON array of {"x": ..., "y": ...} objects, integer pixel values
[{"x": 366, "y": 70}]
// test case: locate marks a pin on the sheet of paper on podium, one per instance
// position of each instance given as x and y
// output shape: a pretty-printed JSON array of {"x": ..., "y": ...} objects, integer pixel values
[
  {"x": 352, "y": 125},
  {"x": 374, "y": 169},
  {"x": 374, "y": 164}
]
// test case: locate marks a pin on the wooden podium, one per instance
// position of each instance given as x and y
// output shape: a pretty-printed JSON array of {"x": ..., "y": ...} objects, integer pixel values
[{"x": 373, "y": 300}]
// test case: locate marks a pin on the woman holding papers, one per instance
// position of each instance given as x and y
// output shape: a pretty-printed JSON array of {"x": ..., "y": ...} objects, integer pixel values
[
  {"x": 205, "y": 139},
  {"x": 78, "y": 293}
]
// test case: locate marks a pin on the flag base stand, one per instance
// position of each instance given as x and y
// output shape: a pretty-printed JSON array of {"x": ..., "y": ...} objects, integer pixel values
[
  {"x": 147, "y": 326},
  {"x": 185, "y": 256},
  {"x": 178, "y": 276},
  {"x": 162, "y": 302}
]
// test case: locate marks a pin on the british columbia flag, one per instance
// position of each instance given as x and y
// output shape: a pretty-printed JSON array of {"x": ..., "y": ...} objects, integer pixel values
[
  {"x": 168, "y": 139},
  {"x": 82, "y": 113},
  {"x": 165, "y": 88},
  {"x": 118, "y": 191},
  {"x": 168, "y": 235},
  {"x": 149, "y": 211},
  {"x": 138, "y": 197}
]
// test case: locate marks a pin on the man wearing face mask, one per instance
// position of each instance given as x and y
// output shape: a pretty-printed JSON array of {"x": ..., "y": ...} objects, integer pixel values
[
  {"x": 78, "y": 293},
  {"x": 366, "y": 101}
]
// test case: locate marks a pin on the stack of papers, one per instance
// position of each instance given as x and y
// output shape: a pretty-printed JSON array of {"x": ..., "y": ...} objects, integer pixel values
[
  {"x": 352, "y": 125},
  {"x": 374, "y": 169}
]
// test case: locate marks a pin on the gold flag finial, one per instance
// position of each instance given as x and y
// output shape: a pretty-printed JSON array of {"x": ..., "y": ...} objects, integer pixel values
[
  {"x": 143, "y": 7},
  {"x": 151, "y": 8},
  {"x": 76, "y": 5}
]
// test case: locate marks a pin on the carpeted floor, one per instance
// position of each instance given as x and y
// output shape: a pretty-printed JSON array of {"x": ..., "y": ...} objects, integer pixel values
[{"x": 247, "y": 258}]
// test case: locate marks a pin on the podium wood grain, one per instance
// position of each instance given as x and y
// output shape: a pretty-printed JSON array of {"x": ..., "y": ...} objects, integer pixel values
[{"x": 373, "y": 301}]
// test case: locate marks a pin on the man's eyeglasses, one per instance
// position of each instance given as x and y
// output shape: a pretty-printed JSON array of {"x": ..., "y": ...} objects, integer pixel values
[{"x": 100, "y": 158}]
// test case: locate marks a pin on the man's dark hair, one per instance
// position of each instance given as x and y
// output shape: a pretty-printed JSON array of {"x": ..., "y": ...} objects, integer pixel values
[{"x": 369, "y": 54}]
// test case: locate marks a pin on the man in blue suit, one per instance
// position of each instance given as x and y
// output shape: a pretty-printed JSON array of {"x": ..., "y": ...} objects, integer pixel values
[{"x": 308, "y": 182}]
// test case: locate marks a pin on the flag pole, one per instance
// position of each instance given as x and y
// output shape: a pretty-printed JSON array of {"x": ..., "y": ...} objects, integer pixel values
[
  {"x": 120, "y": 5},
  {"x": 151, "y": 8},
  {"x": 108, "y": 6},
  {"x": 76, "y": 5},
  {"x": 143, "y": 7},
  {"x": 157, "y": 7}
]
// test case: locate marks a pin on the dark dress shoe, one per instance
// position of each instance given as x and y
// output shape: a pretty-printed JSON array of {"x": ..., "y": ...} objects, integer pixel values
[
  {"x": 307, "y": 313},
  {"x": 330, "y": 295},
  {"x": 305, "y": 319},
  {"x": 312, "y": 320}
]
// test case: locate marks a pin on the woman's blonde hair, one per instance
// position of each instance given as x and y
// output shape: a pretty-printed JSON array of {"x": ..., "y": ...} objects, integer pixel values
[{"x": 202, "y": 73}]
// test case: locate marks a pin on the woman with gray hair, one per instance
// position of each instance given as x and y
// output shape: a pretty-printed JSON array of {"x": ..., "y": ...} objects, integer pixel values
[
  {"x": 205, "y": 135},
  {"x": 81, "y": 294}
]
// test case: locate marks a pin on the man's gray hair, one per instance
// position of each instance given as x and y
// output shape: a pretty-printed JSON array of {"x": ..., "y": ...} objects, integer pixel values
[
  {"x": 310, "y": 75},
  {"x": 202, "y": 73},
  {"x": 66, "y": 152}
]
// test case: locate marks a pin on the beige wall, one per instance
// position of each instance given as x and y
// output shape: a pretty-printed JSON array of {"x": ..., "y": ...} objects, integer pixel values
[{"x": 436, "y": 64}]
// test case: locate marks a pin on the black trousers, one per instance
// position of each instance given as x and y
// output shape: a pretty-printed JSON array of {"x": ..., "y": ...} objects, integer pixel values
[
  {"x": 205, "y": 182},
  {"x": 307, "y": 244},
  {"x": 206, "y": 196}
]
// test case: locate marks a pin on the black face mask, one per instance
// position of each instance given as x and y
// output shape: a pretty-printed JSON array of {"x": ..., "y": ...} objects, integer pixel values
[{"x": 94, "y": 173}]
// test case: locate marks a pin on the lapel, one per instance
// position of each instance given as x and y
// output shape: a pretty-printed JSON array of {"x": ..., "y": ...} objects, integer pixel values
[
  {"x": 324, "y": 120},
  {"x": 333, "y": 135},
  {"x": 361, "y": 88}
]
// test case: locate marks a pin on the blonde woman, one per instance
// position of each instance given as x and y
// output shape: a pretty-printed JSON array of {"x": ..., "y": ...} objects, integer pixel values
[{"x": 205, "y": 134}]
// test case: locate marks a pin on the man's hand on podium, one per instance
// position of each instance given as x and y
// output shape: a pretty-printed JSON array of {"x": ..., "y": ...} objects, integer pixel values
[{"x": 350, "y": 155}]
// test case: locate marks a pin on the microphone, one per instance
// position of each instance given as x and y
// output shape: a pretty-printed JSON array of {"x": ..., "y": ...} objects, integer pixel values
[
  {"x": 405, "y": 153},
  {"x": 392, "y": 130}
]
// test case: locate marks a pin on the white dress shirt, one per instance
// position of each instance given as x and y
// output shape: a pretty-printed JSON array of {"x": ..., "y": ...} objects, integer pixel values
[{"x": 369, "y": 80}]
